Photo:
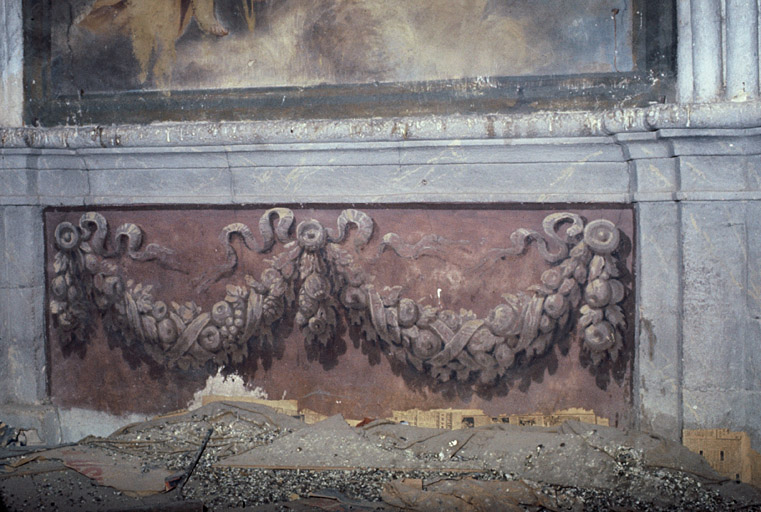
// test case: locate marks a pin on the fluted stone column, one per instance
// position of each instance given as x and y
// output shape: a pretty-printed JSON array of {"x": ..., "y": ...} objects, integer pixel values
[
  {"x": 705, "y": 18},
  {"x": 717, "y": 50},
  {"x": 685, "y": 82},
  {"x": 742, "y": 49},
  {"x": 11, "y": 63}
]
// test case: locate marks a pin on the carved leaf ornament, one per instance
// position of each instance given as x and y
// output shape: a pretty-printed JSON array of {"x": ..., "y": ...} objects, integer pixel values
[{"x": 315, "y": 280}]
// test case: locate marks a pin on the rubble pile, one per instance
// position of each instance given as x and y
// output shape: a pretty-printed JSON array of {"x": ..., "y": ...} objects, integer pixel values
[{"x": 243, "y": 456}]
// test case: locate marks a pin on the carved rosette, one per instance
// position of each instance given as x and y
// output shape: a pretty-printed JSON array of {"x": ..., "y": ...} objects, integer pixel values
[{"x": 318, "y": 281}]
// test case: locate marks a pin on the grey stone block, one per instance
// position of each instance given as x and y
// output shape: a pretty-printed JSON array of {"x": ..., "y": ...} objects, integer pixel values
[
  {"x": 314, "y": 155},
  {"x": 62, "y": 186},
  {"x": 24, "y": 245},
  {"x": 715, "y": 409},
  {"x": 41, "y": 418},
  {"x": 14, "y": 159},
  {"x": 478, "y": 183},
  {"x": 158, "y": 185},
  {"x": 538, "y": 179},
  {"x": 715, "y": 262},
  {"x": 718, "y": 142},
  {"x": 586, "y": 149},
  {"x": 315, "y": 184},
  {"x": 713, "y": 173},
  {"x": 656, "y": 175},
  {"x": 15, "y": 183},
  {"x": 169, "y": 158},
  {"x": 658, "y": 372},
  {"x": 23, "y": 376},
  {"x": 58, "y": 160},
  {"x": 733, "y": 410}
]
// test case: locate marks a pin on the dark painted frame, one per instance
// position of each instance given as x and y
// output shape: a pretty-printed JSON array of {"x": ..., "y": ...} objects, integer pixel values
[{"x": 652, "y": 81}]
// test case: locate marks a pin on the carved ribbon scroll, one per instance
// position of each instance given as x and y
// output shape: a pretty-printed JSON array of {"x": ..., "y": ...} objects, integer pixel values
[{"x": 317, "y": 281}]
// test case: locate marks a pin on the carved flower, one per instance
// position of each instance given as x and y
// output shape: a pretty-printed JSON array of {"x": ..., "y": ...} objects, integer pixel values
[
  {"x": 602, "y": 236},
  {"x": 311, "y": 235},
  {"x": 67, "y": 236}
]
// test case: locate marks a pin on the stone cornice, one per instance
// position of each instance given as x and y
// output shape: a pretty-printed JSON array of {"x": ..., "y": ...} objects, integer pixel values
[{"x": 457, "y": 127}]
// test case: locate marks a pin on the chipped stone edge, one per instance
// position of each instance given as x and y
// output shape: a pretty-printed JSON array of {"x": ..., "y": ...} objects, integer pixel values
[{"x": 497, "y": 126}]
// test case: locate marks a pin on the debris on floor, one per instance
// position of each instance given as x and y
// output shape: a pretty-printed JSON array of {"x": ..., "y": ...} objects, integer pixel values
[
  {"x": 246, "y": 456},
  {"x": 470, "y": 495},
  {"x": 101, "y": 464}
]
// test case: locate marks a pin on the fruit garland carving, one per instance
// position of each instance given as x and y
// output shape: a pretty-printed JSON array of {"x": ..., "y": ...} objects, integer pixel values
[{"x": 317, "y": 280}]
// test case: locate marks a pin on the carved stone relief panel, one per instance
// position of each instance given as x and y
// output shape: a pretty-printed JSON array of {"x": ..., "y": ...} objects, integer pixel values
[{"x": 353, "y": 310}]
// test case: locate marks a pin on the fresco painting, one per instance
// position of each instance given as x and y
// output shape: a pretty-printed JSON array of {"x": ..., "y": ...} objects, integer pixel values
[{"x": 102, "y": 46}]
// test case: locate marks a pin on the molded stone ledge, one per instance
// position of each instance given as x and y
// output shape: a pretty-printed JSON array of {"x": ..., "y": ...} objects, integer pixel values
[{"x": 497, "y": 126}]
